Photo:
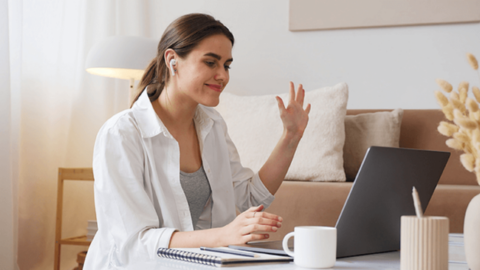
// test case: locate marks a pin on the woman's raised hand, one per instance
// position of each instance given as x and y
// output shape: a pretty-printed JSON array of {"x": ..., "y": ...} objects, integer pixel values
[
  {"x": 294, "y": 117},
  {"x": 250, "y": 225}
]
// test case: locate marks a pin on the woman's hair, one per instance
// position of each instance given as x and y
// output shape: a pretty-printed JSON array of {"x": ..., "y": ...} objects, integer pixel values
[{"x": 182, "y": 35}]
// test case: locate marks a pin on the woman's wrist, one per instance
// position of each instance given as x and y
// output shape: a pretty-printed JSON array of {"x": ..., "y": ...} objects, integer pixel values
[
  {"x": 214, "y": 237},
  {"x": 218, "y": 237},
  {"x": 291, "y": 138}
]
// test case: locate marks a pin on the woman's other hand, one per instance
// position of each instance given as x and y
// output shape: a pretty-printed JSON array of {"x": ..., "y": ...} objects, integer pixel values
[
  {"x": 251, "y": 225},
  {"x": 294, "y": 117}
]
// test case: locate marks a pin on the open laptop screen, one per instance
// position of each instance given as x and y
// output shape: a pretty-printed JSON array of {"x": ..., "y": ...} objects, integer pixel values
[{"x": 382, "y": 193}]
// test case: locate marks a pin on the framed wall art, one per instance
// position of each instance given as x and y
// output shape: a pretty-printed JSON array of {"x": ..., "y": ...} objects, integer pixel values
[{"x": 338, "y": 14}]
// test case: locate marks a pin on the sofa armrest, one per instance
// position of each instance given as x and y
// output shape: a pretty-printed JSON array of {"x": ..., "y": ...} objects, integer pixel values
[{"x": 452, "y": 201}]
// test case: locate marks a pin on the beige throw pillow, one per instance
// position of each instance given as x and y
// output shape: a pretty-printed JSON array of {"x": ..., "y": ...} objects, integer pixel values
[
  {"x": 255, "y": 127},
  {"x": 365, "y": 130}
]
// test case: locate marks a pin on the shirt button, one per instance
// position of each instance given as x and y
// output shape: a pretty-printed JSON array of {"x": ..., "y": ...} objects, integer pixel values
[{"x": 208, "y": 170}]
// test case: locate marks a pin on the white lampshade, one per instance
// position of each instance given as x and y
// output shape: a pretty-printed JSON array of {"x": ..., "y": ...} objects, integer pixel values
[{"x": 122, "y": 57}]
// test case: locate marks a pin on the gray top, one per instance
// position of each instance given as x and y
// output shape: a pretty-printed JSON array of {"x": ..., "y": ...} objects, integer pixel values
[{"x": 197, "y": 190}]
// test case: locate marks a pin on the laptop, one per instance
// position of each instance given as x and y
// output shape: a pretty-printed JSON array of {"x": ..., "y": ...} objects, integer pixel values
[{"x": 381, "y": 193}]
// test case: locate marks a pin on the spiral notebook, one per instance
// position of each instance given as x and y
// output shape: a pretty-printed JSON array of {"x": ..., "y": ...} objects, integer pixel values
[{"x": 195, "y": 255}]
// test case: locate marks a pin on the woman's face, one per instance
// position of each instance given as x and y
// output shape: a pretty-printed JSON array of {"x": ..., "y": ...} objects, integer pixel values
[{"x": 203, "y": 74}]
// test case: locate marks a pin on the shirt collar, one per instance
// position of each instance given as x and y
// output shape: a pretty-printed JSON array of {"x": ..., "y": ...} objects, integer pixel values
[{"x": 150, "y": 124}]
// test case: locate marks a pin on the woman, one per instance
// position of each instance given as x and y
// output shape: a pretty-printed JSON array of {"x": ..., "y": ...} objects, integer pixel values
[{"x": 166, "y": 172}]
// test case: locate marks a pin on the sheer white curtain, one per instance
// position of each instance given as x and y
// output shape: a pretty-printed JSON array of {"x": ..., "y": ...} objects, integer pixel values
[
  {"x": 50, "y": 112},
  {"x": 8, "y": 150}
]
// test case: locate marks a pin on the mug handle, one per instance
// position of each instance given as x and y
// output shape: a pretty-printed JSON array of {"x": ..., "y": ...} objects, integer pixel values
[{"x": 285, "y": 244}]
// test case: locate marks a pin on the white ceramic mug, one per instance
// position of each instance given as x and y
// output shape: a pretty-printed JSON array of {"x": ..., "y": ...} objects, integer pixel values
[{"x": 315, "y": 246}]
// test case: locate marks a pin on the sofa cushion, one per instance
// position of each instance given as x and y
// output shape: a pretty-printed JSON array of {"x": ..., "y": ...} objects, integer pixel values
[
  {"x": 419, "y": 131},
  {"x": 320, "y": 204},
  {"x": 302, "y": 203},
  {"x": 365, "y": 130},
  {"x": 255, "y": 127}
]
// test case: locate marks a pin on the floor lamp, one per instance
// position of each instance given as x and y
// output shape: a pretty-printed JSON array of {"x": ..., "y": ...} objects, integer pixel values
[{"x": 121, "y": 57}]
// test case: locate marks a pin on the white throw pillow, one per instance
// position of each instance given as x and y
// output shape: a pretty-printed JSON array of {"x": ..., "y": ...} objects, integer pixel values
[{"x": 255, "y": 127}]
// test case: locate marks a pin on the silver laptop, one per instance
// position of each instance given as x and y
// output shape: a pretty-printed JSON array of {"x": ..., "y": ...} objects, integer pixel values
[{"x": 380, "y": 195}]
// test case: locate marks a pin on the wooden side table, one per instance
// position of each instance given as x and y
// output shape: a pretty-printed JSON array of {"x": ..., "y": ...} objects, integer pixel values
[{"x": 64, "y": 174}]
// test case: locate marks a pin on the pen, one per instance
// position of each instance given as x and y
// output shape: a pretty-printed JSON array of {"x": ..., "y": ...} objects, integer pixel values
[
  {"x": 228, "y": 251},
  {"x": 416, "y": 202}
]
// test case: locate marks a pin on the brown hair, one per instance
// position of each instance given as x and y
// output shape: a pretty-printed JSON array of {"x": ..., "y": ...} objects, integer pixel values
[{"x": 182, "y": 35}]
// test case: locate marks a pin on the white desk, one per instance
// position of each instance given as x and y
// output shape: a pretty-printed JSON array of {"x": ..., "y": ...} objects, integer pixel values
[{"x": 390, "y": 260}]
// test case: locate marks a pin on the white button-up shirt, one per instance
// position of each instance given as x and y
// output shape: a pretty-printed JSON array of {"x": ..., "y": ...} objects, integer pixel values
[{"x": 139, "y": 200}]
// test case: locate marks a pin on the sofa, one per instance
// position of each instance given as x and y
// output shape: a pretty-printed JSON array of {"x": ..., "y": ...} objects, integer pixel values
[{"x": 302, "y": 203}]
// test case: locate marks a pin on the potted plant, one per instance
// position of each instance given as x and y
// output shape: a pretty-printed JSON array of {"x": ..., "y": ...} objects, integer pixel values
[{"x": 463, "y": 130}]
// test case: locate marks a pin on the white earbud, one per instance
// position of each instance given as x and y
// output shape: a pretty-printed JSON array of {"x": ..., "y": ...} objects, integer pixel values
[{"x": 173, "y": 62}]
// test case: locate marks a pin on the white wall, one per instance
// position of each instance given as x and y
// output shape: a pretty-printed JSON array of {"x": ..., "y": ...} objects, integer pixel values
[{"x": 384, "y": 67}]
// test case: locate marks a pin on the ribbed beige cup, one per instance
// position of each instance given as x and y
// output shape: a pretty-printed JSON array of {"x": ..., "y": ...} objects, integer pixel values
[{"x": 424, "y": 243}]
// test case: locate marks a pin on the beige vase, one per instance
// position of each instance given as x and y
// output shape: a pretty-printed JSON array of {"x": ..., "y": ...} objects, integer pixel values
[{"x": 471, "y": 233}]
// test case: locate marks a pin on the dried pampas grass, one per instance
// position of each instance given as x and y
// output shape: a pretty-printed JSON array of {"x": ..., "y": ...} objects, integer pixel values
[
  {"x": 463, "y": 85},
  {"x": 447, "y": 129},
  {"x": 442, "y": 99},
  {"x": 472, "y": 61},
  {"x": 472, "y": 106},
  {"x": 465, "y": 123},
  {"x": 448, "y": 111},
  {"x": 468, "y": 161},
  {"x": 476, "y": 139},
  {"x": 461, "y": 137},
  {"x": 446, "y": 86},
  {"x": 455, "y": 144},
  {"x": 464, "y": 112},
  {"x": 454, "y": 95},
  {"x": 458, "y": 105},
  {"x": 463, "y": 93},
  {"x": 457, "y": 114},
  {"x": 476, "y": 93}
]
